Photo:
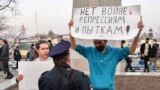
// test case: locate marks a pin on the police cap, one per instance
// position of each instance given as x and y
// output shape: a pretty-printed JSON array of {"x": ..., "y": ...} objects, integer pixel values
[{"x": 60, "y": 48}]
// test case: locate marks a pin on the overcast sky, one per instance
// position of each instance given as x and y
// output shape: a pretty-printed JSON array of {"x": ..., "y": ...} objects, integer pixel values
[
  {"x": 51, "y": 15},
  {"x": 150, "y": 10},
  {"x": 55, "y": 14}
]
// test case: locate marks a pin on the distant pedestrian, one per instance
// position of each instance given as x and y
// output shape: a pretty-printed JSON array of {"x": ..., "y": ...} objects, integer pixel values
[
  {"x": 153, "y": 55},
  {"x": 145, "y": 50},
  {"x": 17, "y": 55},
  {"x": 5, "y": 58},
  {"x": 50, "y": 44},
  {"x": 31, "y": 52},
  {"x": 128, "y": 59},
  {"x": 158, "y": 49}
]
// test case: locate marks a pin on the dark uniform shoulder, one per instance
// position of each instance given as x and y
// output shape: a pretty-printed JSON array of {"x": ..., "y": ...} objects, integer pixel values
[
  {"x": 44, "y": 73},
  {"x": 77, "y": 72},
  {"x": 42, "y": 83},
  {"x": 82, "y": 80}
]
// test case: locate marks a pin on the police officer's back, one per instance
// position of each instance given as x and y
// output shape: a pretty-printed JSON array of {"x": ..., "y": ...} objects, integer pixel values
[{"x": 62, "y": 77}]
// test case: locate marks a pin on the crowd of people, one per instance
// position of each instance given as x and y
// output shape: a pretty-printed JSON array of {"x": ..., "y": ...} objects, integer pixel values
[
  {"x": 101, "y": 58},
  {"x": 149, "y": 53}
]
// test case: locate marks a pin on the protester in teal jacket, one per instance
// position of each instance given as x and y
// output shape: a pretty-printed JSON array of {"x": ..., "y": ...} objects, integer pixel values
[{"x": 103, "y": 59}]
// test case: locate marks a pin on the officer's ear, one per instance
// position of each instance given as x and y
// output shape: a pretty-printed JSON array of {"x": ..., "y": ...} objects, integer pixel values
[{"x": 67, "y": 58}]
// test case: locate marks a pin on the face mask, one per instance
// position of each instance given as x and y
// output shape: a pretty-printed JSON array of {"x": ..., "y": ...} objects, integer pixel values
[{"x": 100, "y": 48}]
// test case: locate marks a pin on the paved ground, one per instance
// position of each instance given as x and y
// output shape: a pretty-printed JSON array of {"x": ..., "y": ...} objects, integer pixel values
[
  {"x": 5, "y": 83},
  {"x": 13, "y": 71}
]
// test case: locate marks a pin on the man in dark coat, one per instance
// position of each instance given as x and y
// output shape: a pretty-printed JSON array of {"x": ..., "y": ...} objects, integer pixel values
[
  {"x": 62, "y": 76},
  {"x": 50, "y": 44},
  {"x": 145, "y": 50},
  {"x": 153, "y": 55},
  {"x": 17, "y": 55},
  {"x": 128, "y": 59},
  {"x": 4, "y": 56}
]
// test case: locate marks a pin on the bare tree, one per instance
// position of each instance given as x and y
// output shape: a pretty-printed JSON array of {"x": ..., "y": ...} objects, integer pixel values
[
  {"x": 6, "y": 7},
  {"x": 4, "y": 4},
  {"x": 14, "y": 35},
  {"x": 3, "y": 25}
]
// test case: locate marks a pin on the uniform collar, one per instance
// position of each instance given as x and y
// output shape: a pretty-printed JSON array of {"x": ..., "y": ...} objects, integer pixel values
[{"x": 63, "y": 65}]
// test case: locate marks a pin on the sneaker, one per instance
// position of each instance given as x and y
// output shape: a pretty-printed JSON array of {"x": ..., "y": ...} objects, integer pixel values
[
  {"x": 133, "y": 71},
  {"x": 4, "y": 75},
  {"x": 6, "y": 78},
  {"x": 11, "y": 76}
]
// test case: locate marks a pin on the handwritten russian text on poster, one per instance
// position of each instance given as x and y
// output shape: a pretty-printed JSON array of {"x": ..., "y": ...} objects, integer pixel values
[{"x": 113, "y": 23}]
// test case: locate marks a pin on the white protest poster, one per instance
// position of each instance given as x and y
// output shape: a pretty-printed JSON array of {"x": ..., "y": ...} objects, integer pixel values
[
  {"x": 112, "y": 23},
  {"x": 31, "y": 71}
]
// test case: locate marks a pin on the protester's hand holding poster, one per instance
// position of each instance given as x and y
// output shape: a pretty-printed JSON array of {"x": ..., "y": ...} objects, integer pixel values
[{"x": 112, "y": 23}]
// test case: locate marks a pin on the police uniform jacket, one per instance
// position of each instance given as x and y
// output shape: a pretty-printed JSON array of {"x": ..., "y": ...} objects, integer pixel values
[{"x": 62, "y": 77}]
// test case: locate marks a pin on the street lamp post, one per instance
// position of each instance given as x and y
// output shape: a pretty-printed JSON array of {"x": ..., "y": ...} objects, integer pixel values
[{"x": 150, "y": 33}]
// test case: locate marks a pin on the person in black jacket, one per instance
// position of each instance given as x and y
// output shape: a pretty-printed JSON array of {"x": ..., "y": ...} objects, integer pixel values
[
  {"x": 153, "y": 55},
  {"x": 128, "y": 59},
  {"x": 5, "y": 58},
  {"x": 62, "y": 76},
  {"x": 145, "y": 50},
  {"x": 17, "y": 55},
  {"x": 50, "y": 44}
]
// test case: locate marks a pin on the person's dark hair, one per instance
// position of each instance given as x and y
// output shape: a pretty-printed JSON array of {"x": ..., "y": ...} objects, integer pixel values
[
  {"x": 17, "y": 46},
  {"x": 60, "y": 57},
  {"x": 49, "y": 41},
  {"x": 5, "y": 41},
  {"x": 39, "y": 43},
  {"x": 123, "y": 41},
  {"x": 32, "y": 45},
  {"x": 155, "y": 40},
  {"x": 35, "y": 54},
  {"x": 147, "y": 38}
]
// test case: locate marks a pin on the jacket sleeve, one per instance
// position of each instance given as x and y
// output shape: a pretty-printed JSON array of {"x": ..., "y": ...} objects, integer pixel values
[
  {"x": 15, "y": 54},
  {"x": 85, "y": 82},
  {"x": 42, "y": 83},
  {"x": 142, "y": 49},
  {"x": 82, "y": 82},
  {"x": 83, "y": 50},
  {"x": 4, "y": 53},
  {"x": 155, "y": 49},
  {"x": 123, "y": 53}
]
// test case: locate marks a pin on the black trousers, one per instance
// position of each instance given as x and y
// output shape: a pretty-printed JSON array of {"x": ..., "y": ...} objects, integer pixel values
[
  {"x": 128, "y": 64},
  {"x": 17, "y": 63},
  {"x": 6, "y": 68},
  {"x": 146, "y": 59}
]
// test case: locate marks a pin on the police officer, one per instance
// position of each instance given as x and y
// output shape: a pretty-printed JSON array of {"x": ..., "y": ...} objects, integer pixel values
[{"x": 62, "y": 76}]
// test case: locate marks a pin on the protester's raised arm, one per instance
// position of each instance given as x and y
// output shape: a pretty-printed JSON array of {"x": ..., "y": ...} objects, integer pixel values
[
  {"x": 135, "y": 41},
  {"x": 72, "y": 39}
]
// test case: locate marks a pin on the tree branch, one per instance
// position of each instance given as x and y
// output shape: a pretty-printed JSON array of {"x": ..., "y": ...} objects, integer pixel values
[{"x": 7, "y": 5}]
